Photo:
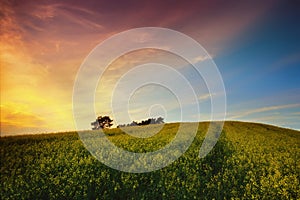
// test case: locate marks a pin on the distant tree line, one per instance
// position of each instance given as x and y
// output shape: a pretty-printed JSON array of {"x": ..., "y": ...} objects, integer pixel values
[
  {"x": 158, "y": 120},
  {"x": 103, "y": 122}
]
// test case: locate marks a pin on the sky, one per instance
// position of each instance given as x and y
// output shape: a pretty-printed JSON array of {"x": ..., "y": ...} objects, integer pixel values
[{"x": 254, "y": 44}]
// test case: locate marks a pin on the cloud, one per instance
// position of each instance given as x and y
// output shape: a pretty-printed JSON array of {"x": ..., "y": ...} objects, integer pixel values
[
  {"x": 37, "y": 117},
  {"x": 207, "y": 96},
  {"x": 42, "y": 45},
  {"x": 8, "y": 129},
  {"x": 16, "y": 118},
  {"x": 264, "y": 109},
  {"x": 200, "y": 59},
  {"x": 295, "y": 113},
  {"x": 24, "y": 119}
]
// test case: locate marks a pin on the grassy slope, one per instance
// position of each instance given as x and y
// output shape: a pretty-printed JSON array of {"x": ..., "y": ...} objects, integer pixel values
[{"x": 249, "y": 161}]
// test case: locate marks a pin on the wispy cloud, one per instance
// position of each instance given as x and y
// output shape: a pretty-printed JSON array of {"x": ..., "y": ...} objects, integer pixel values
[
  {"x": 295, "y": 113},
  {"x": 43, "y": 43},
  {"x": 207, "y": 96},
  {"x": 263, "y": 109},
  {"x": 200, "y": 58}
]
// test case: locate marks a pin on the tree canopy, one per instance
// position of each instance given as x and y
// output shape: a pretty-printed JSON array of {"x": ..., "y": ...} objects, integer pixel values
[
  {"x": 158, "y": 120},
  {"x": 102, "y": 122}
]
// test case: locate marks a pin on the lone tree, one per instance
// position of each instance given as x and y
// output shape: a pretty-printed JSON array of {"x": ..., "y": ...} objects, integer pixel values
[{"x": 102, "y": 122}]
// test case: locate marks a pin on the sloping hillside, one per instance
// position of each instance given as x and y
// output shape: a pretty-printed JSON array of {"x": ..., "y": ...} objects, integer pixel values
[{"x": 250, "y": 161}]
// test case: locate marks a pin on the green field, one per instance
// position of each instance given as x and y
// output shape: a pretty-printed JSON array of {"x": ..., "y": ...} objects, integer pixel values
[{"x": 249, "y": 161}]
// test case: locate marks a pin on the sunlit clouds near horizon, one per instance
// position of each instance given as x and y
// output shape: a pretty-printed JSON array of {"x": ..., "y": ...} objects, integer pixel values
[{"x": 43, "y": 43}]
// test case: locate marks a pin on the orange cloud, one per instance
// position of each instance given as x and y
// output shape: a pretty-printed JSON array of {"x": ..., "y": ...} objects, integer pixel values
[
  {"x": 42, "y": 45},
  {"x": 15, "y": 116}
]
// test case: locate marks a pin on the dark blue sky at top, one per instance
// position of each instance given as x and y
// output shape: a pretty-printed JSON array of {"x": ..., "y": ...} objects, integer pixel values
[
  {"x": 255, "y": 45},
  {"x": 264, "y": 61}
]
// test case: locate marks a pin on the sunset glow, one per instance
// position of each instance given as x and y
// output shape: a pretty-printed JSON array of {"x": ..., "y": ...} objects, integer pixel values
[{"x": 43, "y": 43}]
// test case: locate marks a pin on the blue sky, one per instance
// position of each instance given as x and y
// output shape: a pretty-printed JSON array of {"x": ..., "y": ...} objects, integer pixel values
[
  {"x": 263, "y": 67},
  {"x": 255, "y": 46}
]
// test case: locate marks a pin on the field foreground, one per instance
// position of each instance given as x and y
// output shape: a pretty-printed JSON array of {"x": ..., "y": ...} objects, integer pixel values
[{"x": 250, "y": 161}]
